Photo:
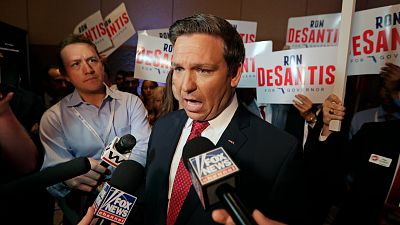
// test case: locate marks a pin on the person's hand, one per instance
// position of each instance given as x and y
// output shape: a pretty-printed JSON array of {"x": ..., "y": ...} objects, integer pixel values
[
  {"x": 223, "y": 217},
  {"x": 4, "y": 102},
  {"x": 332, "y": 109},
  {"x": 304, "y": 105},
  {"x": 87, "y": 219},
  {"x": 89, "y": 181},
  {"x": 390, "y": 72},
  {"x": 391, "y": 76}
]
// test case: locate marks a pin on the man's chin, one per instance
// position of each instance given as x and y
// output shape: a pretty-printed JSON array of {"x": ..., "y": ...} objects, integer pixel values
[{"x": 195, "y": 115}]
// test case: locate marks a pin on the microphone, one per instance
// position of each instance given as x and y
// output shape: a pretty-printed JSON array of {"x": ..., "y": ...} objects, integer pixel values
[
  {"x": 117, "y": 151},
  {"x": 214, "y": 177},
  {"x": 48, "y": 176},
  {"x": 116, "y": 200}
]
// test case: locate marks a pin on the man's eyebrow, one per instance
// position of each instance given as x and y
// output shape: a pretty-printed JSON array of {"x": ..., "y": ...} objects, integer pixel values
[{"x": 196, "y": 65}]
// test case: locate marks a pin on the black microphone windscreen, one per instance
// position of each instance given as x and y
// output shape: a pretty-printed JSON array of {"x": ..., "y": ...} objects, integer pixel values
[
  {"x": 128, "y": 176},
  {"x": 125, "y": 143},
  {"x": 196, "y": 146},
  {"x": 49, "y": 176}
]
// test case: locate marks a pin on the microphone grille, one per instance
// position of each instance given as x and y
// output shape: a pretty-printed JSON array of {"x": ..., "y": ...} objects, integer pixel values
[
  {"x": 127, "y": 176},
  {"x": 125, "y": 143}
]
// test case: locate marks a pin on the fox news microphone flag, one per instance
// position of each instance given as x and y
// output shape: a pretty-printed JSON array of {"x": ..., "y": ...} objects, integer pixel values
[
  {"x": 48, "y": 177},
  {"x": 115, "y": 201},
  {"x": 117, "y": 151},
  {"x": 214, "y": 176}
]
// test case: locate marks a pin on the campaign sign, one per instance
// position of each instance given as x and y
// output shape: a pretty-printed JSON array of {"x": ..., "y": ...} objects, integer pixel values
[
  {"x": 213, "y": 165},
  {"x": 161, "y": 33},
  {"x": 153, "y": 58},
  {"x": 246, "y": 29},
  {"x": 249, "y": 73},
  {"x": 375, "y": 40},
  {"x": 116, "y": 206},
  {"x": 313, "y": 31},
  {"x": 94, "y": 29},
  {"x": 283, "y": 74},
  {"x": 119, "y": 27}
]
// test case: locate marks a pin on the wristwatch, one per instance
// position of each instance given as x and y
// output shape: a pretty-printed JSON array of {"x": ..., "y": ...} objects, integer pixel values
[{"x": 311, "y": 118}]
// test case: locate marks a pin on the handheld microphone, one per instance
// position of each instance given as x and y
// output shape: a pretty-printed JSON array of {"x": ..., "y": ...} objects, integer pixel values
[
  {"x": 214, "y": 176},
  {"x": 116, "y": 200},
  {"x": 118, "y": 150},
  {"x": 48, "y": 176}
]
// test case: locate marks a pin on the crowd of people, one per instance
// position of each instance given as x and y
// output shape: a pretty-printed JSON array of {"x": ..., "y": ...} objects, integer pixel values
[{"x": 293, "y": 168}]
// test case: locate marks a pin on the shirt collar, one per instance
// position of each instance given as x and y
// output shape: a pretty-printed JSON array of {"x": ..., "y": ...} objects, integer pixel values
[
  {"x": 75, "y": 99},
  {"x": 382, "y": 114}
]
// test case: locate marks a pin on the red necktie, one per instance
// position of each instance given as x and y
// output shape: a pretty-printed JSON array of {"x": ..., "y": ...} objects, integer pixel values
[
  {"x": 262, "y": 111},
  {"x": 182, "y": 181}
]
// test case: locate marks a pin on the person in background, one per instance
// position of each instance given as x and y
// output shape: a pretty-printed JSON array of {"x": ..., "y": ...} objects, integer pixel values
[
  {"x": 84, "y": 122},
  {"x": 55, "y": 86},
  {"x": 157, "y": 98},
  {"x": 119, "y": 80},
  {"x": 130, "y": 84},
  {"x": 385, "y": 111},
  {"x": 171, "y": 101},
  {"x": 208, "y": 54},
  {"x": 362, "y": 172},
  {"x": 296, "y": 119},
  {"x": 146, "y": 91}
]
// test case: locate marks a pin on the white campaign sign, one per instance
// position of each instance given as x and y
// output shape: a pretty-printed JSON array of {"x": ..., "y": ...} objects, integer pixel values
[
  {"x": 375, "y": 37},
  {"x": 283, "y": 74},
  {"x": 94, "y": 29},
  {"x": 153, "y": 58},
  {"x": 313, "y": 31},
  {"x": 375, "y": 40},
  {"x": 119, "y": 27},
  {"x": 161, "y": 33},
  {"x": 246, "y": 29},
  {"x": 249, "y": 74}
]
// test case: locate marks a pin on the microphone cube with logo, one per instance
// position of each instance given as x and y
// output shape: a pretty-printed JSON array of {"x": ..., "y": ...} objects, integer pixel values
[
  {"x": 210, "y": 170},
  {"x": 113, "y": 204},
  {"x": 112, "y": 156}
]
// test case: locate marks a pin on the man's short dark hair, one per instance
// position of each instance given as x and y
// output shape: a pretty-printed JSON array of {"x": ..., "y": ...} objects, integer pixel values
[
  {"x": 72, "y": 39},
  {"x": 234, "y": 52}
]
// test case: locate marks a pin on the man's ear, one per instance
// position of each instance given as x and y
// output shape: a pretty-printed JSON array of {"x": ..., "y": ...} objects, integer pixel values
[{"x": 236, "y": 76}]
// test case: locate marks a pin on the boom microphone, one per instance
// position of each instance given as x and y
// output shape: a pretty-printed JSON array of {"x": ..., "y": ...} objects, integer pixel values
[
  {"x": 116, "y": 200},
  {"x": 48, "y": 176},
  {"x": 214, "y": 176},
  {"x": 116, "y": 152}
]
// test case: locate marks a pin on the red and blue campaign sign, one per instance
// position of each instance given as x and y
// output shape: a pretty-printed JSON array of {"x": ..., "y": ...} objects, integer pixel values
[
  {"x": 153, "y": 58},
  {"x": 374, "y": 41},
  {"x": 283, "y": 74},
  {"x": 313, "y": 31},
  {"x": 249, "y": 72}
]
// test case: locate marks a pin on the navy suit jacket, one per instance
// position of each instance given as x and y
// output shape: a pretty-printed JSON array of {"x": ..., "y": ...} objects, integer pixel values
[{"x": 271, "y": 177}]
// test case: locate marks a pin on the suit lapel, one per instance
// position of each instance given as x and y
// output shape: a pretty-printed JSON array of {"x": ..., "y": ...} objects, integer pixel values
[{"x": 232, "y": 138}]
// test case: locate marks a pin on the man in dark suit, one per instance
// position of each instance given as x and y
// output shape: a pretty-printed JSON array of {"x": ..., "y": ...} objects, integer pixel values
[
  {"x": 207, "y": 63},
  {"x": 361, "y": 173},
  {"x": 375, "y": 145}
]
